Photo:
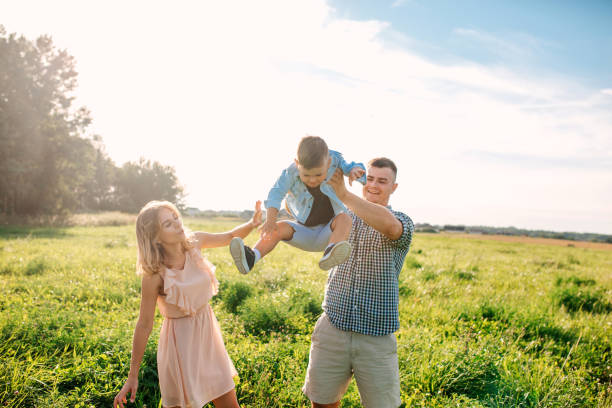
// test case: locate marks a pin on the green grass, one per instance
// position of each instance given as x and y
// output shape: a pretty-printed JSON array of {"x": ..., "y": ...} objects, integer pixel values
[{"x": 483, "y": 323}]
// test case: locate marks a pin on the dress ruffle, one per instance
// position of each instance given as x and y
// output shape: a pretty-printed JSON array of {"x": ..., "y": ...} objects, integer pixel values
[{"x": 183, "y": 298}]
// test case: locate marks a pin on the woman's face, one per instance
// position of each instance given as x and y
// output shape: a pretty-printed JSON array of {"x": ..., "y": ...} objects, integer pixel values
[{"x": 171, "y": 227}]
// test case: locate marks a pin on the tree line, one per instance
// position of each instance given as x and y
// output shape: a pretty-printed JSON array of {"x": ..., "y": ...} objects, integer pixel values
[
  {"x": 480, "y": 229},
  {"x": 49, "y": 163}
]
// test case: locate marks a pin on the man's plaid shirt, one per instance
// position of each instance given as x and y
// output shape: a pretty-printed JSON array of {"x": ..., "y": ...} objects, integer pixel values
[{"x": 362, "y": 293}]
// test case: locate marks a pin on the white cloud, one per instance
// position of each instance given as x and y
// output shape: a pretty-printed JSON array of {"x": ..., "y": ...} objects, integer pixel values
[{"x": 224, "y": 91}]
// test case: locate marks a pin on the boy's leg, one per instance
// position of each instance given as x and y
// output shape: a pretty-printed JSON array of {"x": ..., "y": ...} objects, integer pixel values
[
  {"x": 341, "y": 228},
  {"x": 339, "y": 248},
  {"x": 245, "y": 257},
  {"x": 284, "y": 232}
]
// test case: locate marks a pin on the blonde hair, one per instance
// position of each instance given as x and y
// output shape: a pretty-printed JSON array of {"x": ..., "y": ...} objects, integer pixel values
[{"x": 150, "y": 252}]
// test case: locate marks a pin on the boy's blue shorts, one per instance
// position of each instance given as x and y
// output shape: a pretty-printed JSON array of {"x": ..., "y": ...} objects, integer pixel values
[{"x": 311, "y": 239}]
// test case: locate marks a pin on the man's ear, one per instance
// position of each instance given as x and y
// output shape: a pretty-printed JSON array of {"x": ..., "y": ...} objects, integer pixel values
[{"x": 394, "y": 187}]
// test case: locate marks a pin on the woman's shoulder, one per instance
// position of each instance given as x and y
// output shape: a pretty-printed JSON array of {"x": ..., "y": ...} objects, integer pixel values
[{"x": 152, "y": 283}]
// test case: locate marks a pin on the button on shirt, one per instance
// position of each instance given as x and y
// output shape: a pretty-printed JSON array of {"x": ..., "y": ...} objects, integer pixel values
[{"x": 362, "y": 294}]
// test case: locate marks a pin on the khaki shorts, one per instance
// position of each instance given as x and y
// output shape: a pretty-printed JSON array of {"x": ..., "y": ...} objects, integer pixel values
[{"x": 336, "y": 355}]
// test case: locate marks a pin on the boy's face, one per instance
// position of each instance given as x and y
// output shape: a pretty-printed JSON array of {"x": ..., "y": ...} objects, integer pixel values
[{"x": 315, "y": 176}]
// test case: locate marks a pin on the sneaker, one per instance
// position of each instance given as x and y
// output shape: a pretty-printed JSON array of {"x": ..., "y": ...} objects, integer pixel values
[
  {"x": 335, "y": 255},
  {"x": 243, "y": 255}
]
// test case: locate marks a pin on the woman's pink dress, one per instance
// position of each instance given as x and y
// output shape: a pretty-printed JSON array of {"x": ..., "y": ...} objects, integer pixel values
[{"x": 193, "y": 365}]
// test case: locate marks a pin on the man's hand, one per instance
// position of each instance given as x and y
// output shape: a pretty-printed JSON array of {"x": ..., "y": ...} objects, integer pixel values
[
  {"x": 337, "y": 183},
  {"x": 354, "y": 174},
  {"x": 256, "y": 218}
]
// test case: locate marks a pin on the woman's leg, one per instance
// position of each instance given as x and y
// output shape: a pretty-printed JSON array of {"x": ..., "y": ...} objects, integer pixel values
[{"x": 227, "y": 400}]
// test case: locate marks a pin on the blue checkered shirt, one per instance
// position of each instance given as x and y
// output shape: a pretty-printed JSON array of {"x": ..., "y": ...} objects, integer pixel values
[{"x": 362, "y": 293}]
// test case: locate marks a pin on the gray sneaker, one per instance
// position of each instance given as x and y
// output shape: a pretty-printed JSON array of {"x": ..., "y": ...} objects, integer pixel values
[
  {"x": 243, "y": 255},
  {"x": 335, "y": 255}
]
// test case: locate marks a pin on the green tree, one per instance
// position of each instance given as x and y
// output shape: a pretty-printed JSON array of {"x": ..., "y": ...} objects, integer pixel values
[
  {"x": 137, "y": 183},
  {"x": 44, "y": 160}
]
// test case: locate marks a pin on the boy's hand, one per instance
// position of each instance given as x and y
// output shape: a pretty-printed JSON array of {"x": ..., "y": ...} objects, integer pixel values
[
  {"x": 268, "y": 229},
  {"x": 354, "y": 174}
]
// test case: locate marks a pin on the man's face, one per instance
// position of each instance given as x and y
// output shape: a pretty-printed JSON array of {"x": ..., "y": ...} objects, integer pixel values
[
  {"x": 380, "y": 185},
  {"x": 315, "y": 176}
]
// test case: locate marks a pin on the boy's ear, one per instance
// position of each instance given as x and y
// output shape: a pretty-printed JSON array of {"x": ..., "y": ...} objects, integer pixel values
[
  {"x": 328, "y": 161},
  {"x": 297, "y": 163}
]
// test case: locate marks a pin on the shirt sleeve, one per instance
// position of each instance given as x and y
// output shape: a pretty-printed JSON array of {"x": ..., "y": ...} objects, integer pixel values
[
  {"x": 279, "y": 190},
  {"x": 403, "y": 242},
  {"x": 346, "y": 167}
]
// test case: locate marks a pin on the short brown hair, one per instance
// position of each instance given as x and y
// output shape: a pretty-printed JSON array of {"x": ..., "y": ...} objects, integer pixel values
[
  {"x": 382, "y": 162},
  {"x": 312, "y": 152}
]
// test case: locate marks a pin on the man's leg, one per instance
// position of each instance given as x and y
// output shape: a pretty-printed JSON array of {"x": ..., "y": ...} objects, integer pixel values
[
  {"x": 329, "y": 366},
  {"x": 376, "y": 370}
]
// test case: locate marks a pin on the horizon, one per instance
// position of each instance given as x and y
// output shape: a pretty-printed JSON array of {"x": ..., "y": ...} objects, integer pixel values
[
  {"x": 496, "y": 114},
  {"x": 417, "y": 223}
]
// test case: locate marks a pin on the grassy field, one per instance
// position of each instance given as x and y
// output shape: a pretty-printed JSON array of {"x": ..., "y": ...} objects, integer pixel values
[{"x": 484, "y": 323}]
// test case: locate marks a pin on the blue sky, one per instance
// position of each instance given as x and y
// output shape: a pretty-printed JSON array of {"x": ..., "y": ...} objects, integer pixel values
[
  {"x": 558, "y": 37},
  {"x": 496, "y": 113}
]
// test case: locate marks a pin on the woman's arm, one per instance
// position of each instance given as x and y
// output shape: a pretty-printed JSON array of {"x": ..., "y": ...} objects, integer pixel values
[
  {"x": 151, "y": 285},
  {"x": 214, "y": 240}
]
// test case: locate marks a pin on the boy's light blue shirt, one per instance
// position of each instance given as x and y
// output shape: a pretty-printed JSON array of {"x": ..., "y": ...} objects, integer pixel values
[{"x": 299, "y": 200}]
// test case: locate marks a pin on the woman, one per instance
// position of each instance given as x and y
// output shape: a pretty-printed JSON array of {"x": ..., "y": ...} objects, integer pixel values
[{"x": 193, "y": 365}]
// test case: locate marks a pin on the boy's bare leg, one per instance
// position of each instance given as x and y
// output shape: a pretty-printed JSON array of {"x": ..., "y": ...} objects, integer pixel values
[
  {"x": 284, "y": 232},
  {"x": 341, "y": 228},
  {"x": 340, "y": 250}
]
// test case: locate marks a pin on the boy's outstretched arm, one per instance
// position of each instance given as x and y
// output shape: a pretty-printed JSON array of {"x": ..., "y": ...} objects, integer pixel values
[{"x": 353, "y": 170}]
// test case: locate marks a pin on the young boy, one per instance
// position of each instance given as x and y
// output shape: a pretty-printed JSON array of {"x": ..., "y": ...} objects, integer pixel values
[{"x": 321, "y": 222}]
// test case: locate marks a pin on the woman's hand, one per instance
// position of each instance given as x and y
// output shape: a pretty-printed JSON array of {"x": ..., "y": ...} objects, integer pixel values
[
  {"x": 269, "y": 229},
  {"x": 130, "y": 386},
  {"x": 256, "y": 218}
]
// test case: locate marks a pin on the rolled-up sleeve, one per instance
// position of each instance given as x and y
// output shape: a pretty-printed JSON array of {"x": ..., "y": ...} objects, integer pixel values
[
  {"x": 346, "y": 167},
  {"x": 408, "y": 229}
]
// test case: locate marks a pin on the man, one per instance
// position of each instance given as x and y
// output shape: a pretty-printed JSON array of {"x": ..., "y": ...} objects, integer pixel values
[{"x": 355, "y": 334}]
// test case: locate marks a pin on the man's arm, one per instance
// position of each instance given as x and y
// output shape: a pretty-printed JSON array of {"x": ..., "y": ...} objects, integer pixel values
[{"x": 375, "y": 215}]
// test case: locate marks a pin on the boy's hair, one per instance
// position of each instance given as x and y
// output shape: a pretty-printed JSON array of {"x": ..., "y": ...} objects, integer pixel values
[
  {"x": 382, "y": 162},
  {"x": 150, "y": 252},
  {"x": 312, "y": 152}
]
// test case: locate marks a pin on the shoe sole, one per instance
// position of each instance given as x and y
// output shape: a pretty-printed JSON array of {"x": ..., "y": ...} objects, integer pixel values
[
  {"x": 339, "y": 253},
  {"x": 237, "y": 252}
]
